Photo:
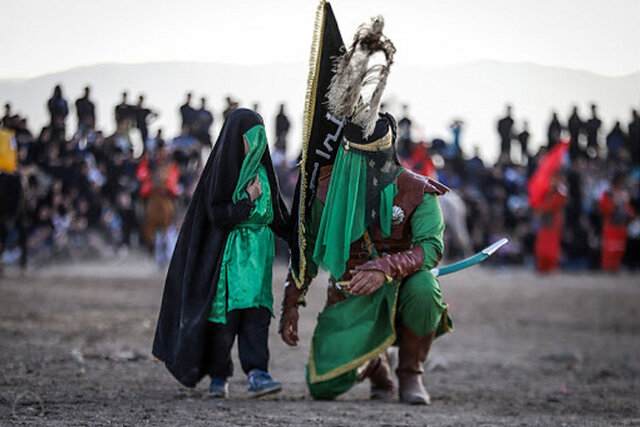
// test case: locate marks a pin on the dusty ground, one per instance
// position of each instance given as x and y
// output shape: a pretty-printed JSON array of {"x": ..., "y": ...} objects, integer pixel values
[{"x": 527, "y": 350}]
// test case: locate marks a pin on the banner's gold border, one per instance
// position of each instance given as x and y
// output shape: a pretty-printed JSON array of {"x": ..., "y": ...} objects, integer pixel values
[{"x": 309, "y": 114}]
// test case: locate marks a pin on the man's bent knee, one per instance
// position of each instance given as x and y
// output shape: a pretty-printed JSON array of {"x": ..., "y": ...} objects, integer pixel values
[
  {"x": 421, "y": 287},
  {"x": 420, "y": 305}
]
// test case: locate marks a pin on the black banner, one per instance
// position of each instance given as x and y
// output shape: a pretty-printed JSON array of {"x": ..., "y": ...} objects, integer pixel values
[{"x": 321, "y": 132}]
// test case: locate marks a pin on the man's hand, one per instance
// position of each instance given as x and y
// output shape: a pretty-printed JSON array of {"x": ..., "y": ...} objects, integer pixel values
[
  {"x": 292, "y": 297},
  {"x": 288, "y": 328},
  {"x": 254, "y": 189},
  {"x": 366, "y": 282}
]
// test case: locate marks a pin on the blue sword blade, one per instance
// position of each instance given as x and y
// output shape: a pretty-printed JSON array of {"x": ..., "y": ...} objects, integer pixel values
[{"x": 472, "y": 260}]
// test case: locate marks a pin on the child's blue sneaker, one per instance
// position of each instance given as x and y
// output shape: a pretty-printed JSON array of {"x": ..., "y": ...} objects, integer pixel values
[
  {"x": 260, "y": 383},
  {"x": 219, "y": 387}
]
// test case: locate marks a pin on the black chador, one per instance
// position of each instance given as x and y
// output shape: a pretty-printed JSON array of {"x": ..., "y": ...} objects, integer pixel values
[{"x": 181, "y": 339}]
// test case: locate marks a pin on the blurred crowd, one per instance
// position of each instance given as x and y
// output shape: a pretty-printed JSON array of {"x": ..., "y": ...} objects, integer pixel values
[
  {"x": 90, "y": 194},
  {"x": 589, "y": 208},
  {"x": 78, "y": 193}
]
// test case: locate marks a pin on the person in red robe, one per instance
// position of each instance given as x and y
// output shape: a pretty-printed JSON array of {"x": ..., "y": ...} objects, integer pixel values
[
  {"x": 551, "y": 215},
  {"x": 420, "y": 161},
  {"x": 158, "y": 171},
  {"x": 158, "y": 176},
  {"x": 616, "y": 213}
]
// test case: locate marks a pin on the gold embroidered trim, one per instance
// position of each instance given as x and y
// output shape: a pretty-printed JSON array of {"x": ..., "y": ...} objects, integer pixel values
[
  {"x": 445, "y": 324},
  {"x": 381, "y": 144},
  {"x": 309, "y": 112},
  {"x": 336, "y": 372}
]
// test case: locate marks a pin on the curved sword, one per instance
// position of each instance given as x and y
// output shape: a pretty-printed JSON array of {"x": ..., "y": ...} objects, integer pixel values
[
  {"x": 452, "y": 268},
  {"x": 472, "y": 260}
]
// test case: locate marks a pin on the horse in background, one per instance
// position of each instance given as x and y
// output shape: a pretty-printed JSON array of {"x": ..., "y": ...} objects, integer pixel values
[
  {"x": 159, "y": 188},
  {"x": 454, "y": 211}
]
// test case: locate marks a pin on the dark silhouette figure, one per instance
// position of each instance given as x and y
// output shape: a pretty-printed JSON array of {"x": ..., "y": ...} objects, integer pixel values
[
  {"x": 86, "y": 112},
  {"x": 58, "y": 108},
  {"x": 523, "y": 140},
  {"x": 202, "y": 123},
  {"x": 576, "y": 126},
  {"x": 616, "y": 142},
  {"x": 187, "y": 112},
  {"x": 124, "y": 111},
  {"x": 575, "y": 236},
  {"x": 142, "y": 116},
  {"x": 593, "y": 128},
  {"x": 475, "y": 166},
  {"x": 231, "y": 107},
  {"x": 6, "y": 119},
  {"x": 404, "y": 133},
  {"x": 282, "y": 129},
  {"x": 456, "y": 130},
  {"x": 154, "y": 142},
  {"x": 554, "y": 131},
  {"x": 160, "y": 138},
  {"x": 505, "y": 130},
  {"x": 634, "y": 138}
]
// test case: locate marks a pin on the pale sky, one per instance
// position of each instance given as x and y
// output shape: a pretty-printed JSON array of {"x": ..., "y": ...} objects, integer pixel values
[{"x": 42, "y": 36}]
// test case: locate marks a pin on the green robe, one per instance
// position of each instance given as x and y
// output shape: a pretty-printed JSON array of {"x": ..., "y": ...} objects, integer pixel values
[
  {"x": 353, "y": 331},
  {"x": 246, "y": 269}
]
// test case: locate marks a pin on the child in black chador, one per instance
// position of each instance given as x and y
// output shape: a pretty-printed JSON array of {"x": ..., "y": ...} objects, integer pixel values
[{"x": 219, "y": 280}]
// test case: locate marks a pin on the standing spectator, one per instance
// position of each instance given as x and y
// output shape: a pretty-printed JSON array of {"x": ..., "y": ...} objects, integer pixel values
[
  {"x": 616, "y": 212},
  {"x": 58, "y": 108},
  {"x": 592, "y": 128},
  {"x": 8, "y": 154},
  {"x": 550, "y": 214},
  {"x": 616, "y": 142},
  {"x": 475, "y": 167},
  {"x": 202, "y": 124},
  {"x": 6, "y": 119},
  {"x": 523, "y": 139},
  {"x": 404, "y": 133},
  {"x": 554, "y": 131},
  {"x": 152, "y": 143},
  {"x": 187, "y": 112},
  {"x": 142, "y": 115},
  {"x": 120, "y": 141},
  {"x": 456, "y": 130},
  {"x": 86, "y": 112},
  {"x": 576, "y": 126},
  {"x": 185, "y": 150},
  {"x": 633, "y": 145},
  {"x": 282, "y": 129},
  {"x": 231, "y": 107},
  {"x": 505, "y": 130},
  {"x": 124, "y": 111},
  {"x": 575, "y": 234}
]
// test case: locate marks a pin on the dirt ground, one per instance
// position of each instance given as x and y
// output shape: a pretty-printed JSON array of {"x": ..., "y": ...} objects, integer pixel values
[{"x": 527, "y": 350}]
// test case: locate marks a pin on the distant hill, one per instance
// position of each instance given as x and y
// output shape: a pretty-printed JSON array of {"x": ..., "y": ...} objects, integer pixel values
[{"x": 474, "y": 92}]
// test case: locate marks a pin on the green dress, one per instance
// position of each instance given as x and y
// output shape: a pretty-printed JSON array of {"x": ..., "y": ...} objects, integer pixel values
[{"x": 246, "y": 270}]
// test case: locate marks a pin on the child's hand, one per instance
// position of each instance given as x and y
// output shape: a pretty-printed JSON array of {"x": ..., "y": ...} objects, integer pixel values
[{"x": 254, "y": 188}]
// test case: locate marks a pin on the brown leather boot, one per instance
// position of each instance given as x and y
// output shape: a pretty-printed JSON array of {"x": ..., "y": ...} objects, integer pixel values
[
  {"x": 412, "y": 354},
  {"x": 378, "y": 370}
]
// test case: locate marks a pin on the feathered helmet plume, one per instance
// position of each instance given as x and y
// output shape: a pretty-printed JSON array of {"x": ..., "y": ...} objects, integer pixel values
[{"x": 353, "y": 74}]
